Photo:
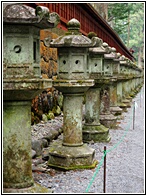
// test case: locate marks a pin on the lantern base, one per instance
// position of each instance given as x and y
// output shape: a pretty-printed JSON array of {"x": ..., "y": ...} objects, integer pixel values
[
  {"x": 115, "y": 110},
  {"x": 70, "y": 158},
  {"x": 36, "y": 188},
  {"x": 127, "y": 103},
  {"x": 108, "y": 120},
  {"x": 129, "y": 98},
  {"x": 97, "y": 133},
  {"x": 123, "y": 106}
]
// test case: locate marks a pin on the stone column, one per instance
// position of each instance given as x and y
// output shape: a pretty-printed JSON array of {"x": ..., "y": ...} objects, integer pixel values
[
  {"x": 17, "y": 166},
  {"x": 114, "y": 109},
  {"x": 71, "y": 153},
  {"x": 93, "y": 129},
  {"x": 72, "y": 109},
  {"x": 17, "y": 158},
  {"x": 124, "y": 90},
  {"x": 106, "y": 118}
]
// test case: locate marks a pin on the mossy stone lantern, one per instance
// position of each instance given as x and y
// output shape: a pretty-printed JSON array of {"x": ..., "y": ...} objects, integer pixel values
[
  {"x": 72, "y": 53},
  {"x": 73, "y": 80},
  {"x": 124, "y": 64},
  {"x": 93, "y": 129},
  {"x": 107, "y": 90},
  {"x": 108, "y": 63},
  {"x": 116, "y": 64},
  {"x": 95, "y": 59},
  {"x": 114, "y": 108},
  {"x": 21, "y": 83}
]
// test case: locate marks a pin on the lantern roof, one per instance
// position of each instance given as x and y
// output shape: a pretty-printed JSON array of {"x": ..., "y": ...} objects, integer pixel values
[
  {"x": 22, "y": 14},
  {"x": 73, "y": 37},
  {"x": 111, "y": 55},
  {"x": 103, "y": 48}
]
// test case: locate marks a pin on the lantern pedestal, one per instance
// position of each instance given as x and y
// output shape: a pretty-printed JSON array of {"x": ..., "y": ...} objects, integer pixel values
[
  {"x": 119, "y": 94},
  {"x": 92, "y": 129},
  {"x": 97, "y": 133},
  {"x": 106, "y": 118},
  {"x": 127, "y": 103},
  {"x": 71, "y": 157},
  {"x": 17, "y": 160},
  {"x": 36, "y": 188},
  {"x": 109, "y": 120},
  {"x": 71, "y": 153},
  {"x": 114, "y": 108}
]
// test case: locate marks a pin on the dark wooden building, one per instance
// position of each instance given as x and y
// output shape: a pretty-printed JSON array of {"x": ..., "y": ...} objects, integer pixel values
[{"x": 90, "y": 21}]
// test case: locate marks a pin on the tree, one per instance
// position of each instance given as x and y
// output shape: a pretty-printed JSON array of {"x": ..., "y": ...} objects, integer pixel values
[
  {"x": 127, "y": 19},
  {"x": 102, "y": 9}
]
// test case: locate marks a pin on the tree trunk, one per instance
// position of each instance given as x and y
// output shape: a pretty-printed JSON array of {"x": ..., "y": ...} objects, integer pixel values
[
  {"x": 102, "y": 9},
  {"x": 128, "y": 37}
]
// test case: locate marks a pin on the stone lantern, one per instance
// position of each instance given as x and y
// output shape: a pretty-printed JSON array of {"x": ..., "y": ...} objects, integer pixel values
[
  {"x": 21, "y": 83},
  {"x": 93, "y": 129},
  {"x": 95, "y": 60},
  {"x": 116, "y": 64},
  {"x": 136, "y": 79},
  {"x": 73, "y": 80},
  {"x": 114, "y": 108},
  {"x": 108, "y": 65},
  {"x": 124, "y": 64},
  {"x": 108, "y": 92}
]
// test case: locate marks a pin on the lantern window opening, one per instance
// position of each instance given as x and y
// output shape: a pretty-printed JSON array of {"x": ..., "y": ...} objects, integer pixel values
[{"x": 34, "y": 51}]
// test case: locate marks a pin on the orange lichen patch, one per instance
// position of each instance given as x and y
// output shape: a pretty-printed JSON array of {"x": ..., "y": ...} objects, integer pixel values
[
  {"x": 47, "y": 33},
  {"x": 54, "y": 54}
]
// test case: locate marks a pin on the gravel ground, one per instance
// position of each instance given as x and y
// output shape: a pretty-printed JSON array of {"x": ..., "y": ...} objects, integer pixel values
[{"x": 125, "y": 158}]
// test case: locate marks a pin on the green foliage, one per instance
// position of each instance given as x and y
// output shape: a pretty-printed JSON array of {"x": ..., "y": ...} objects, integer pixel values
[{"x": 127, "y": 19}]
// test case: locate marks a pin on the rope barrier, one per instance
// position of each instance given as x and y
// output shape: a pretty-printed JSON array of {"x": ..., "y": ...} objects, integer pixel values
[{"x": 101, "y": 161}]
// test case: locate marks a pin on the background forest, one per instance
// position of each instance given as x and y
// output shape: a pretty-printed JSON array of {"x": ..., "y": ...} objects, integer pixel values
[{"x": 127, "y": 19}]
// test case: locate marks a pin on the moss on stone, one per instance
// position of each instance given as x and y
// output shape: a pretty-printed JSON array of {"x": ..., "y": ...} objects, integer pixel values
[
  {"x": 37, "y": 188},
  {"x": 75, "y": 167},
  {"x": 98, "y": 133}
]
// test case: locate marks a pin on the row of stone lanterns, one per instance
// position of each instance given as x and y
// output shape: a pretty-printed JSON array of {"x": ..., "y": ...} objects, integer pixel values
[{"x": 85, "y": 66}]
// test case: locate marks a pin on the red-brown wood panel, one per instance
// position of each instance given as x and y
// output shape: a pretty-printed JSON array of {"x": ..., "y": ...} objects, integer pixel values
[{"x": 90, "y": 21}]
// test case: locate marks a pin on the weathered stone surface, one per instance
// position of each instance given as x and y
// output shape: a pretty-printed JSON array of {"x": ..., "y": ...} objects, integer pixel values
[
  {"x": 65, "y": 157},
  {"x": 45, "y": 154},
  {"x": 92, "y": 129},
  {"x": 48, "y": 137},
  {"x": 54, "y": 133},
  {"x": 44, "y": 142},
  {"x": 37, "y": 146},
  {"x": 36, "y": 188},
  {"x": 33, "y": 153},
  {"x": 108, "y": 120},
  {"x": 95, "y": 133},
  {"x": 17, "y": 146},
  {"x": 115, "y": 110}
]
